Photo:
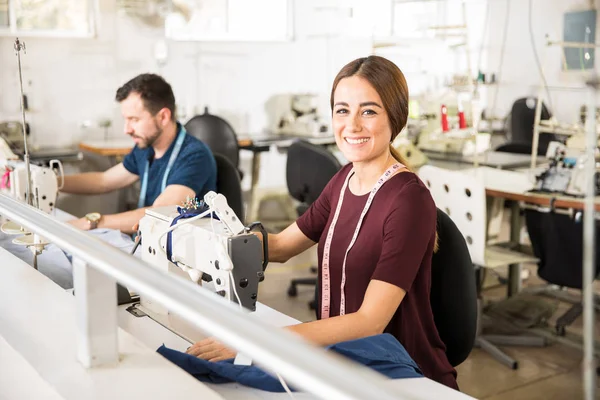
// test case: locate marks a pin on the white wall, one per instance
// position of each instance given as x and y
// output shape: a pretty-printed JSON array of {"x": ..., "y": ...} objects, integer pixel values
[
  {"x": 519, "y": 76},
  {"x": 72, "y": 80},
  {"x": 69, "y": 81}
]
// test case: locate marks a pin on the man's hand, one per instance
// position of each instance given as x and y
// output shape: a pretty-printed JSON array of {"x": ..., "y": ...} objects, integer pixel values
[
  {"x": 81, "y": 223},
  {"x": 211, "y": 350}
]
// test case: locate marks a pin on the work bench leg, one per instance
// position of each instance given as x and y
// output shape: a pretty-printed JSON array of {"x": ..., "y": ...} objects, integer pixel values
[
  {"x": 514, "y": 270},
  {"x": 96, "y": 311}
]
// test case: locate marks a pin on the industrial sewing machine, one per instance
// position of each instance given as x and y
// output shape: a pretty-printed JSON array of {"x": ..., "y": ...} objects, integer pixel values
[
  {"x": 12, "y": 133},
  {"x": 303, "y": 118},
  {"x": 565, "y": 174},
  {"x": 209, "y": 244},
  {"x": 44, "y": 183},
  {"x": 43, "y": 193}
]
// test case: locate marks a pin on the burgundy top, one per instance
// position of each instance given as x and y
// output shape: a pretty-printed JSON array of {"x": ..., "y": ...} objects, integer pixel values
[{"x": 394, "y": 245}]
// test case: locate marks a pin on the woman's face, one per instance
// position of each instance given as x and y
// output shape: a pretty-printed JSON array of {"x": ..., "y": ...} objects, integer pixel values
[{"x": 360, "y": 122}]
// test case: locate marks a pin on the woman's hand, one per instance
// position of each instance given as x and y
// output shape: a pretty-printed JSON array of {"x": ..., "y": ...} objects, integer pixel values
[{"x": 211, "y": 350}]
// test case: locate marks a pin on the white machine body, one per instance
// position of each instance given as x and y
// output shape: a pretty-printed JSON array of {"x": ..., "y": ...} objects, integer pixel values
[
  {"x": 216, "y": 247},
  {"x": 44, "y": 185}
]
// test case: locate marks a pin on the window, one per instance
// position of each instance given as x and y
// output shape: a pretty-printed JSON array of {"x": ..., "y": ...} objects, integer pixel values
[
  {"x": 233, "y": 20},
  {"x": 69, "y": 18},
  {"x": 412, "y": 19}
]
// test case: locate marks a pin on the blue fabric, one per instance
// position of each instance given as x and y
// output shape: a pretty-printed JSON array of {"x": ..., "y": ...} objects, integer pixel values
[
  {"x": 195, "y": 167},
  {"x": 383, "y": 353}
]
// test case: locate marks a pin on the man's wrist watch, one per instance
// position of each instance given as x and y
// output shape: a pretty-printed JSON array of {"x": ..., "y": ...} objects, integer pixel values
[{"x": 93, "y": 219}]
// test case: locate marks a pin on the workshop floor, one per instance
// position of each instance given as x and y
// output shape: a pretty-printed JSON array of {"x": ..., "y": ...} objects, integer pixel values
[{"x": 553, "y": 372}]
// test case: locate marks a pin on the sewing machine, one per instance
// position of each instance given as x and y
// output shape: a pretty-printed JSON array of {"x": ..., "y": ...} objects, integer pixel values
[
  {"x": 12, "y": 133},
  {"x": 566, "y": 174},
  {"x": 44, "y": 184},
  {"x": 303, "y": 118},
  {"x": 207, "y": 249}
]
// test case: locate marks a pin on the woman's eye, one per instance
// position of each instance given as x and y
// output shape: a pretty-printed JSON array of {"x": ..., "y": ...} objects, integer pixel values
[
  {"x": 369, "y": 112},
  {"x": 341, "y": 111}
]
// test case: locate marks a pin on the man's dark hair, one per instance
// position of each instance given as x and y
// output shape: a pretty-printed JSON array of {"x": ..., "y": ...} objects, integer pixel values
[{"x": 155, "y": 92}]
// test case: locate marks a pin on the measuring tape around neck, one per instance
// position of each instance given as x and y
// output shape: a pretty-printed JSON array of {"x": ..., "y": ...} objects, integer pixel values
[
  {"x": 326, "y": 277},
  {"x": 174, "y": 154}
]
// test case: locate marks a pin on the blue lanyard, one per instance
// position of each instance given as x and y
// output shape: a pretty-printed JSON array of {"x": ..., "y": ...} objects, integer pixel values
[{"x": 172, "y": 159}]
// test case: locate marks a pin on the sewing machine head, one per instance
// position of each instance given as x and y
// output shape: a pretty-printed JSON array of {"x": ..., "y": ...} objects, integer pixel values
[
  {"x": 12, "y": 133},
  {"x": 303, "y": 117},
  {"x": 566, "y": 173},
  {"x": 44, "y": 184},
  {"x": 216, "y": 249}
]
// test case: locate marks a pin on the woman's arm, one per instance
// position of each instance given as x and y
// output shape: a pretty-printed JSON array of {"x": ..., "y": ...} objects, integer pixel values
[
  {"x": 377, "y": 309},
  {"x": 381, "y": 301},
  {"x": 287, "y": 244}
]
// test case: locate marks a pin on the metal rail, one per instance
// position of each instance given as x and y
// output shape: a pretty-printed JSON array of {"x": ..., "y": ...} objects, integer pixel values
[{"x": 306, "y": 366}]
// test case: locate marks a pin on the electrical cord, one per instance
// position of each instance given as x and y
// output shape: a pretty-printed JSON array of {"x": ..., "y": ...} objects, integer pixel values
[
  {"x": 485, "y": 28},
  {"x": 172, "y": 228},
  {"x": 502, "y": 48},
  {"x": 537, "y": 59},
  {"x": 285, "y": 386}
]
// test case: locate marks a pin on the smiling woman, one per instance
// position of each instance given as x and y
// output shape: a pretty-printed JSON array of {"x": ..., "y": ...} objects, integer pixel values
[
  {"x": 369, "y": 100},
  {"x": 375, "y": 225}
]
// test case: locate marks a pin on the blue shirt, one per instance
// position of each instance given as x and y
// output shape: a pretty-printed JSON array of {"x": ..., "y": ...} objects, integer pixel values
[{"x": 194, "y": 167}]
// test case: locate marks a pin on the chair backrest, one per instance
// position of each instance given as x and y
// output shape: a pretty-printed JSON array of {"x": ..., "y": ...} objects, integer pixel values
[
  {"x": 518, "y": 148},
  {"x": 229, "y": 185},
  {"x": 308, "y": 170},
  {"x": 462, "y": 197},
  {"x": 217, "y": 134},
  {"x": 522, "y": 119},
  {"x": 557, "y": 241},
  {"x": 453, "y": 291}
]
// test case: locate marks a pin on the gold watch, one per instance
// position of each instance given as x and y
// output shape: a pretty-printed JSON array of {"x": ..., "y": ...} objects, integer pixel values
[{"x": 93, "y": 219}]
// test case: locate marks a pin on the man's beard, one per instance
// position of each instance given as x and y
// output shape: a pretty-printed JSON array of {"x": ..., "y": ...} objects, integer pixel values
[{"x": 149, "y": 141}]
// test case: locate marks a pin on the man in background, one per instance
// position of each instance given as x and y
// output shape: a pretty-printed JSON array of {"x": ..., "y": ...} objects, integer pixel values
[{"x": 171, "y": 164}]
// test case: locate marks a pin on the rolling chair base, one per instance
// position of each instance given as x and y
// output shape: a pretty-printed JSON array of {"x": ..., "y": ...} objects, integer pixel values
[
  {"x": 293, "y": 288},
  {"x": 488, "y": 343},
  {"x": 568, "y": 318}
]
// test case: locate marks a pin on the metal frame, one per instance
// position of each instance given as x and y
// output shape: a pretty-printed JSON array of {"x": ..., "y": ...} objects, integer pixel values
[
  {"x": 100, "y": 265},
  {"x": 589, "y": 251}
]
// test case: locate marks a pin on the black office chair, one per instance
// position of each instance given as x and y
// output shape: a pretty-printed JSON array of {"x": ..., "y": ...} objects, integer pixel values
[
  {"x": 453, "y": 291},
  {"x": 518, "y": 148},
  {"x": 217, "y": 134},
  {"x": 520, "y": 133},
  {"x": 229, "y": 184},
  {"x": 309, "y": 168},
  {"x": 557, "y": 240},
  {"x": 453, "y": 294}
]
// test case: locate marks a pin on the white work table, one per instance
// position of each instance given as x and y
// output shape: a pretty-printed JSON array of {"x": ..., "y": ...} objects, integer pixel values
[
  {"x": 38, "y": 343},
  {"x": 154, "y": 335},
  {"x": 38, "y": 350}
]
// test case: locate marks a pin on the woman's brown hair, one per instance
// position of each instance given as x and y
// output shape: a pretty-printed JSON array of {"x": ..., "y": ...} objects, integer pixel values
[{"x": 389, "y": 82}]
